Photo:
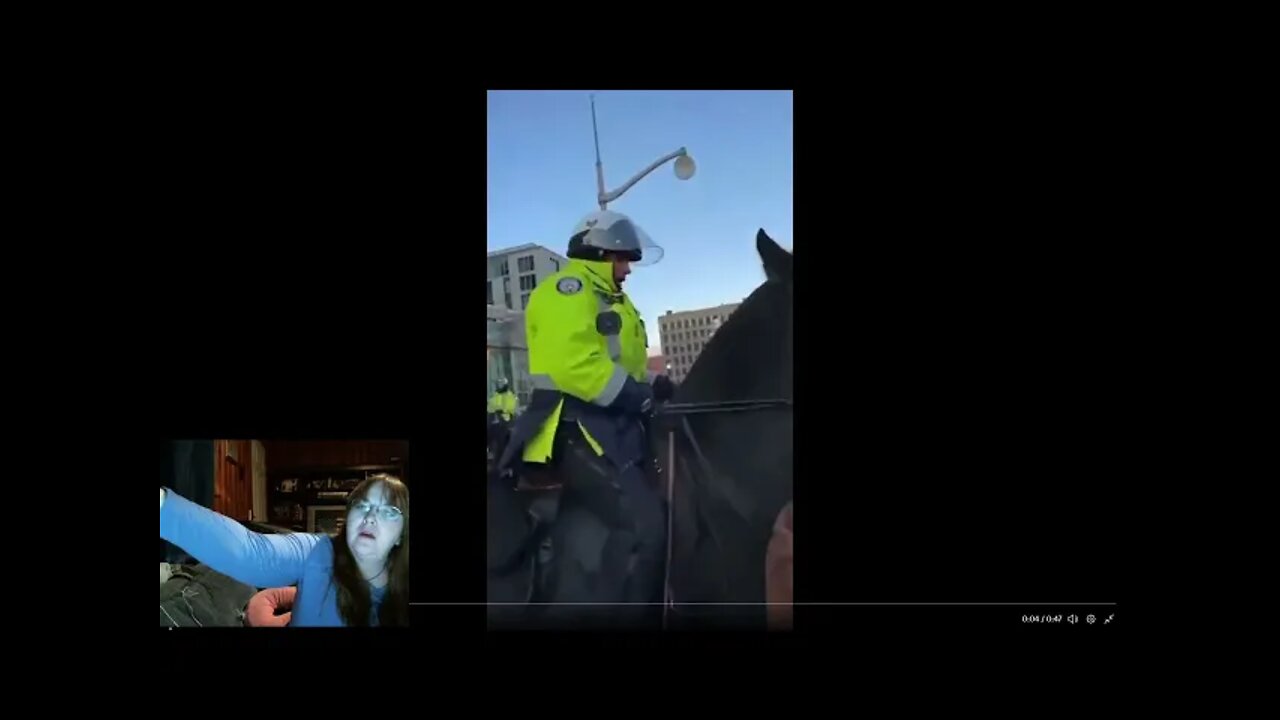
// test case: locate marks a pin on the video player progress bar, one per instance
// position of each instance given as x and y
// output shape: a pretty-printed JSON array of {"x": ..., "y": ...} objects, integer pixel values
[{"x": 787, "y": 604}]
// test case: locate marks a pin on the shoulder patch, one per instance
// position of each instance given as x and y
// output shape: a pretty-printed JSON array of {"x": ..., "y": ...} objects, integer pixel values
[{"x": 569, "y": 285}]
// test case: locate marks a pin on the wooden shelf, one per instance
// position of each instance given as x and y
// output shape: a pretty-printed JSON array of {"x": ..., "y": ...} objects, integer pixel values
[
  {"x": 305, "y": 497},
  {"x": 333, "y": 470}
]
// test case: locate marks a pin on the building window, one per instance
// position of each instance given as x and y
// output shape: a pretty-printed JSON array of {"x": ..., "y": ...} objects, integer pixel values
[
  {"x": 556, "y": 263},
  {"x": 504, "y": 269},
  {"x": 525, "y": 264},
  {"x": 524, "y": 300},
  {"x": 528, "y": 282},
  {"x": 490, "y": 284},
  {"x": 507, "y": 298}
]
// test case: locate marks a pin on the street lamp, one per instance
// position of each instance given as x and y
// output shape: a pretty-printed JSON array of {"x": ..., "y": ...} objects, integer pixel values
[{"x": 684, "y": 167}]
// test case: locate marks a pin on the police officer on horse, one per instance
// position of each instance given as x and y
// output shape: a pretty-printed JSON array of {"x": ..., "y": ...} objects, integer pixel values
[
  {"x": 586, "y": 420},
  {"x": 503, "y": 402},
  {"x": 502, "y": 407}
]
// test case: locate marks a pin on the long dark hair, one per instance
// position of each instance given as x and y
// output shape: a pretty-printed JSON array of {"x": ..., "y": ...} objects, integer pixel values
[{"x": 354, "y": 598}]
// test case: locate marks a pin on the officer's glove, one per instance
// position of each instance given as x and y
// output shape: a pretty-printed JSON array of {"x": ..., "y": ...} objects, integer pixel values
[
  {"x": 636, "y": 398},
  {"x": 663, "y": 388}
]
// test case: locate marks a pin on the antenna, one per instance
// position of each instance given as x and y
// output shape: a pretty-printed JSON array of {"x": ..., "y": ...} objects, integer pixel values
[{"x": 599, "y": 167}]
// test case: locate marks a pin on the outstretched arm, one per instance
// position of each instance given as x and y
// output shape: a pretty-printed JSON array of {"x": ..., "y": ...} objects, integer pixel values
[{"x": 232, "y": 549}]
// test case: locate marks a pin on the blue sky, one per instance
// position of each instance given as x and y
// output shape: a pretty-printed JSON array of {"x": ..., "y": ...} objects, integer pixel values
[{"x": 541, "y": 181}]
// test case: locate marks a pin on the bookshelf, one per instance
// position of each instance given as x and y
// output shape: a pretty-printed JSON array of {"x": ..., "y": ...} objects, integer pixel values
[{"x": 293, "y": 492}]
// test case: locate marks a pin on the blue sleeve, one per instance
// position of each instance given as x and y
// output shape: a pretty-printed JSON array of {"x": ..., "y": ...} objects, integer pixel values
[{"x": 232, "y": 549}]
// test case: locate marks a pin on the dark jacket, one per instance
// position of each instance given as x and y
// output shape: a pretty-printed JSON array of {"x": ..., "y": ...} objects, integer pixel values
[{"x": 196, "y": 596}]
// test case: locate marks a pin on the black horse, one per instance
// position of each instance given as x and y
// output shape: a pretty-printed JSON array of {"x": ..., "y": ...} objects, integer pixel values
[
  {"x": 731, "y": 426},
  {"x": 732, "y": 430}
]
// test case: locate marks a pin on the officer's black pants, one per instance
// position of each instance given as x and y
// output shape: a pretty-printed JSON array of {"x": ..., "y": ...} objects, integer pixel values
[{"x": 609, "y": 539}]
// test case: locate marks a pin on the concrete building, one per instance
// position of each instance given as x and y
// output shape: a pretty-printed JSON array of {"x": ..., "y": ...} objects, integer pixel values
[
  {"x": 683, "y": 335},
  {"x": 513, "y": 273},
  {"x": 506, "y": 352}
]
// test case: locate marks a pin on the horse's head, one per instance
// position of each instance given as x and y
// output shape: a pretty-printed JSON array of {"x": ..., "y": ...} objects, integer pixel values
[
  {"x": 749, "y": 357},
  {"x": 729, "y": 490}
]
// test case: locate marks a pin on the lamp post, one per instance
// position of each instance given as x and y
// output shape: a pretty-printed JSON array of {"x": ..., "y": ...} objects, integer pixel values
[{"x": 684, "y": 167}]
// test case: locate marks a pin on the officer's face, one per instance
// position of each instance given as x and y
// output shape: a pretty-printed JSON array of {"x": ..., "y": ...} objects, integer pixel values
[{"x": 621, "y": 268}]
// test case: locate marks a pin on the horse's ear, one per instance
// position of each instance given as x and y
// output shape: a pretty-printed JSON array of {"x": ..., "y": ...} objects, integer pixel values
[{"x": 777, "y": 261}]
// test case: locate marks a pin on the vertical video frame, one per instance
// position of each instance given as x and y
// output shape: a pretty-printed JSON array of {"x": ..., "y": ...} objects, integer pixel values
[{"x": 639, "y": 456}]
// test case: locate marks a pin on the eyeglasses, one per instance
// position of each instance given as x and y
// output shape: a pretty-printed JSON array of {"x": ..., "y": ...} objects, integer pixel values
[{"x": 386, "y": 513}]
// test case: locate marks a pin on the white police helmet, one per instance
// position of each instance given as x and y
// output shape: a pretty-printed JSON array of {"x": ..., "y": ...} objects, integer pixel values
[{"x": 608, "y": 231}]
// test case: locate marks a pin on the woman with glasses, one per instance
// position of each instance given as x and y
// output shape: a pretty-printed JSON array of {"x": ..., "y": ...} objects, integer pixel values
[{"x": 358, "y": 578}]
